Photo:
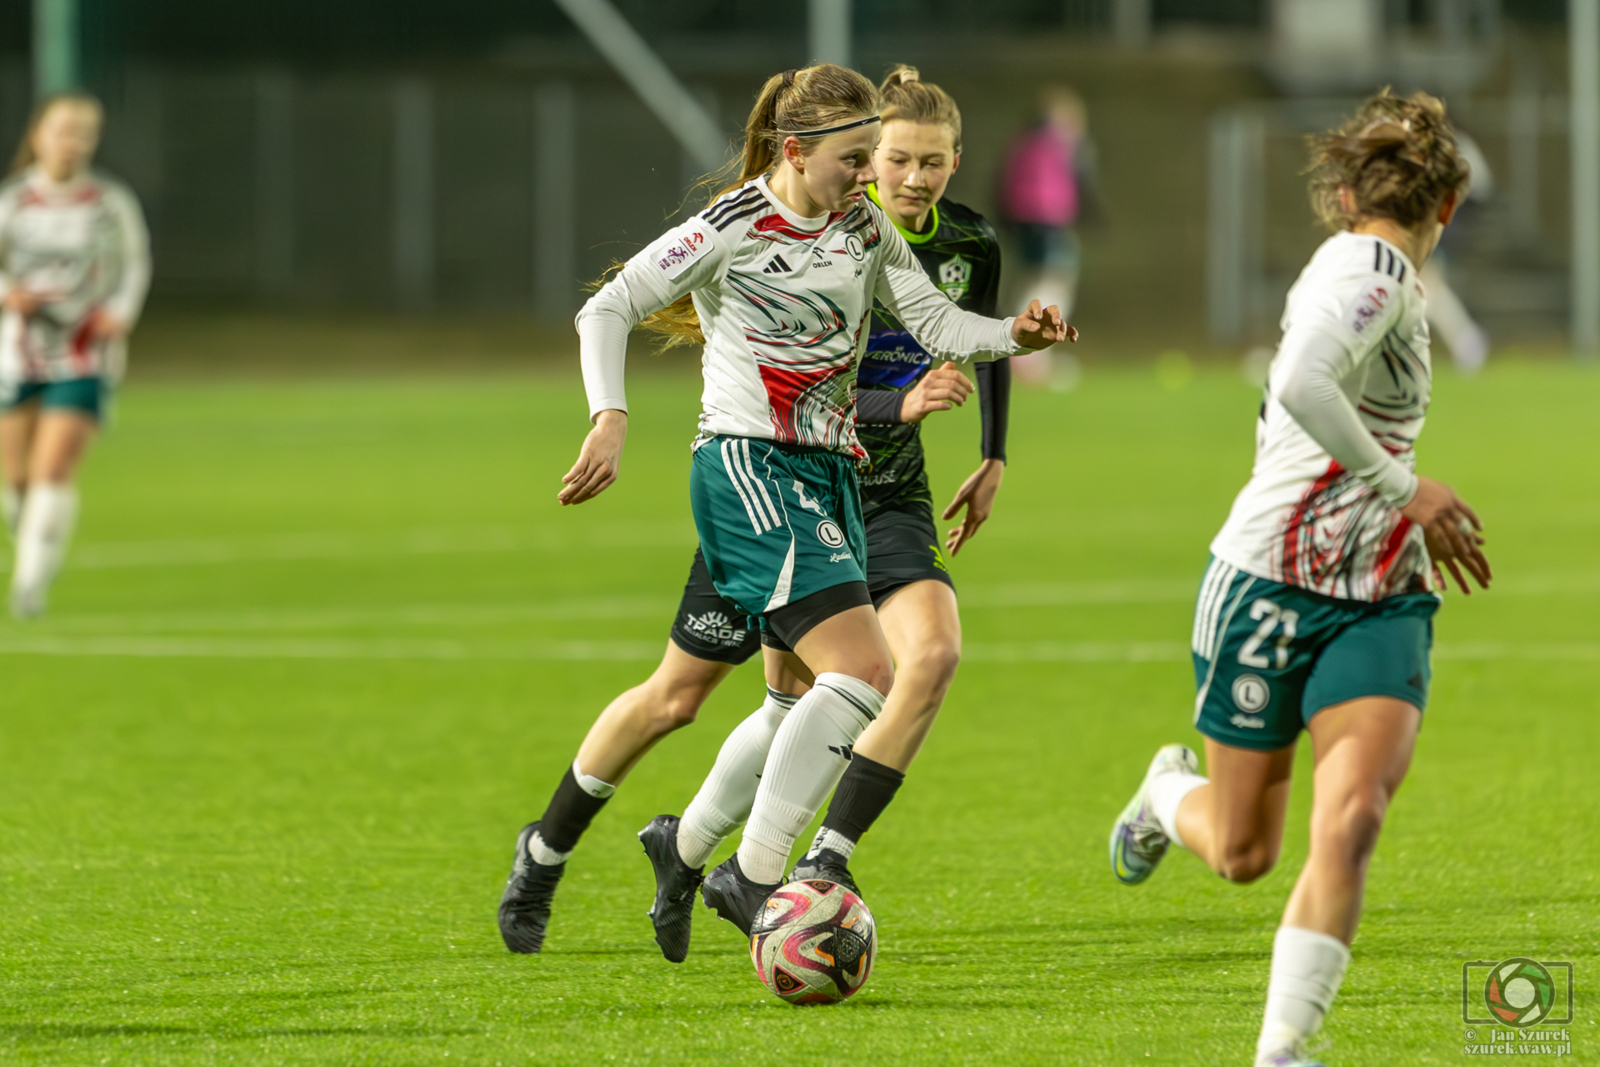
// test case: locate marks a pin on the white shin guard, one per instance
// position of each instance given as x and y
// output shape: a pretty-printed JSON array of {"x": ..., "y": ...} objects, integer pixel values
[
  {"x": 44, "y": 530},
  {"x": 809, "y": 754},
  {"x": 724, "y": 799}
]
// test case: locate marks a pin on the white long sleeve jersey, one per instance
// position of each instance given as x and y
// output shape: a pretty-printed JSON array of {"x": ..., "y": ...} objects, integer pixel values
[
  {"x": 1354, "y": 323},
  {"x": 783, "y": 302},
  {"x": 83, "y": 244}
]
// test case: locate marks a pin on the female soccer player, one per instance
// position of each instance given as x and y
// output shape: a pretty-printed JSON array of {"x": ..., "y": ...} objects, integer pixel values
[
  {"x": 1316, "y": 610},
  {"x": 906, "y": 573},
  {"x": 778, "y": 275},
  {"x": 74, "y": 269}
]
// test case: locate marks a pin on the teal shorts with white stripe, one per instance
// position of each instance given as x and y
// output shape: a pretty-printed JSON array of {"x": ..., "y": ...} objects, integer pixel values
[
  {"x": 1269, "y": 656},
  {"x": 776, "y": 523}
]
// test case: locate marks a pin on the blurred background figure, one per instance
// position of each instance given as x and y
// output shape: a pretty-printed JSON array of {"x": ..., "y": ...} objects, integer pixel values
[
  {"x": 74, "y": 269},
  {"x": 1447, "y": 314},
  {"x": 1046, "y": 186}
]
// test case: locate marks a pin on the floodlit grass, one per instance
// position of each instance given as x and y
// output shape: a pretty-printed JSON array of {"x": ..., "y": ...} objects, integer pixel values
[{"x": 324, "y": 648}]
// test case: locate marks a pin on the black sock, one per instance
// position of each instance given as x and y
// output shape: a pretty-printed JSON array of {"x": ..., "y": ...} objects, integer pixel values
[
  {"x": 570, "y": 812},
  {"x": 865, "y": 790}
]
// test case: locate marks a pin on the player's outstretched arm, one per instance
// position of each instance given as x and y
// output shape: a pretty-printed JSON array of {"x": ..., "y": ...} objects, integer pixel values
[{"x": 598, "y": 460}]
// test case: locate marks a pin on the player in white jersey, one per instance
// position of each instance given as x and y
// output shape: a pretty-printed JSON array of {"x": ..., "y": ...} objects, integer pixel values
[
  {"x": 1316, "y": 611},
  {"x": 74, "y": 269},
  {"x": 778, "y": 276}
]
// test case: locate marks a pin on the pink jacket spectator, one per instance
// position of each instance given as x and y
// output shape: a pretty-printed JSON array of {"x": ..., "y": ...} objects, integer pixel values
[{"x": 1040, "y": 185}]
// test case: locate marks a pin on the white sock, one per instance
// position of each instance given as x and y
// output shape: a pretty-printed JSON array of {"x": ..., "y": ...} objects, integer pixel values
[
  {"x": 49, "y": 512},
  {"x": 724, "y": 800},
  {"x": 11, "y": 507},
  {"x": 1307, "y": 968},
  {"x": 543, "y": 853},
  {"x": 833, "y": 841},
  {"x": 1166, "y": 793},
  {"x": 590, "y": 784},
  {"x": 809, "y": 754}
]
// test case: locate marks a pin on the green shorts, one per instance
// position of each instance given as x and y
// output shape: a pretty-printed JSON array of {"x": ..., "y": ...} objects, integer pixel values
[
  {"x": 777, "y": 523},
  {"x": 1269, "y": 656},
  {"x": 87, "y": 395}
]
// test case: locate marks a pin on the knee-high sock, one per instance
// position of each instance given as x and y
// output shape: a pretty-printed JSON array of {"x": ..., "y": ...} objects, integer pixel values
[
  {"x": 724, "y": 800},
  {"x": 808, "y": 755},
  {"x": 49, "y": 512},
  {"x": 1307, "y": 968}
]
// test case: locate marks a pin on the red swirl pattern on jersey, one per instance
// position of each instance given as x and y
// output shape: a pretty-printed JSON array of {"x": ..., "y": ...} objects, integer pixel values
[
  {"x": 803, "y": 342},
  {"x": 1342, "y": 538}
]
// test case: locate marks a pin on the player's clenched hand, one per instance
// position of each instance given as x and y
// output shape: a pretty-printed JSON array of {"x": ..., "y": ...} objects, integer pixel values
[
  {"x": 977, "y": 493},
  {"x": 1453, "y": 531},
  {"x": 1041, "y": 327},
  {"x": 598, "y": 460},
  {"x": 939, "y": 390}
]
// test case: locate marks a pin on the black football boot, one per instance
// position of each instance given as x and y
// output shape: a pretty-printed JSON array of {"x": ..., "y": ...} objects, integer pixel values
[
  {"x": 733, "y": 896},
  {"x": 827, "y": 865},
  {"x": 525, "y": 905},
  {"x": 673, "y": 911}
]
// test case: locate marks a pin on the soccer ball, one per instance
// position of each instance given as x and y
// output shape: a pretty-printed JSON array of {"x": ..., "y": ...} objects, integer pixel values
[{"x": 813, "y": 943}]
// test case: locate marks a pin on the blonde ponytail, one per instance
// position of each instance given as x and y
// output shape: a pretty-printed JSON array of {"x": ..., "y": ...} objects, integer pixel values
[{"x": 908, "y": 98}]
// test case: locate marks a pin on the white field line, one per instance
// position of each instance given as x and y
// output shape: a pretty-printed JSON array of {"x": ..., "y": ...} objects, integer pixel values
[
  {"x": 310, "y": 648},
  {"x": 352, "y": 617},
  {"x": 1165, "y": 652},
  {"x": 333, "y": 545}
]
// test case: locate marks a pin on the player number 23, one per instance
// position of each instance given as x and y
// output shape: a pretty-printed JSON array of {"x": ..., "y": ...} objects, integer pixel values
[{"x": 1269, "y": 617}]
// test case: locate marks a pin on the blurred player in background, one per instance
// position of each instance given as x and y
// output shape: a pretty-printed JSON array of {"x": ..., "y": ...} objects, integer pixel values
[
  {"x": 74, "y": 270},
  {"x": 777, "y": 277},
  {"x": 1467, "y": 341},
  {"x": 898, "y": 386},
  {"x": 1316, "y": 612},
  {"x": 1046, "y": 187}
]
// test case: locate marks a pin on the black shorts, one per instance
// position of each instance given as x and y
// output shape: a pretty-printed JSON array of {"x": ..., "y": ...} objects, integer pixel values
[
  {"x": 707, "y": 626},
  {"x": 902, "y": 548}
]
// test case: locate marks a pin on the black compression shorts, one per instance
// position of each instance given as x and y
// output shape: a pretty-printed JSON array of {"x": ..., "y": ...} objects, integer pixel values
[
  {"x": 902, "y": 548},
  {"x": 707, "y": 626}
]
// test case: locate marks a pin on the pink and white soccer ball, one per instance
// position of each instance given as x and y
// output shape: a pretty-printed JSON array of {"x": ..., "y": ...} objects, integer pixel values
[{"x": 813, "y": 943}]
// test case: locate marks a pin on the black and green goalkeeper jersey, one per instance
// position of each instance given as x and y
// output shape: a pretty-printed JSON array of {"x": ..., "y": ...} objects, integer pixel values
[{"x": 961, "y": 254}]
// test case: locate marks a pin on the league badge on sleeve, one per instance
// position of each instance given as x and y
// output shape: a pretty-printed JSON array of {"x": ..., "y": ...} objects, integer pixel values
[{"x": 675, "y": 251}]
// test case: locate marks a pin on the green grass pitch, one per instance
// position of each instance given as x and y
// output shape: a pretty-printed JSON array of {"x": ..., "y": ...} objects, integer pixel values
[{"x": 324, "y": 647}]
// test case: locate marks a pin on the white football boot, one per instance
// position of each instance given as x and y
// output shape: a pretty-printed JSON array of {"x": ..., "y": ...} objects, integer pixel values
[{"x": 1137, "y": 840}]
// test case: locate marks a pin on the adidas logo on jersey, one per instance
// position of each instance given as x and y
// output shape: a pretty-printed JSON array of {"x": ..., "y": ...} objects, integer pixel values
[{"x": 777, "y": 266}]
